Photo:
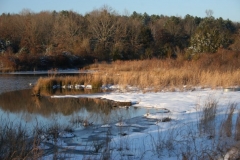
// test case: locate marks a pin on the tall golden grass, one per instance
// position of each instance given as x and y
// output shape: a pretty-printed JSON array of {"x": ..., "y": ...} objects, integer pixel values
[{"x": 216, "y": 70}]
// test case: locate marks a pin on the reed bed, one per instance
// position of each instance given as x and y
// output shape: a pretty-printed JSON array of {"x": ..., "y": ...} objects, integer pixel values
[{"x": 158, "y": 74}]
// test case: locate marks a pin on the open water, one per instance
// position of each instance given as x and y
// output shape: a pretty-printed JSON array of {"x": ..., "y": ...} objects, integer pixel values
[{"x": 18, "y": 105}]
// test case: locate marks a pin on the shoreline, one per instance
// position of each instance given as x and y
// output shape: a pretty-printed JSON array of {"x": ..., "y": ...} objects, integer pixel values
[
  {"x": 46, "y": 72},
  {"x": 178, "y": 112}
]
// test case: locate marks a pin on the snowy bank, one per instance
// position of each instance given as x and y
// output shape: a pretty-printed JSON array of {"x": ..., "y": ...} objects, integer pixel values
[{"x": 179, "y": 129}]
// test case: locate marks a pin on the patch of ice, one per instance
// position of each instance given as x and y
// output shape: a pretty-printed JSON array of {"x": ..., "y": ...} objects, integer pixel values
[
  {"x": 121, "y": 124},
  {"x": 136, "y": 125},
  {"x": 65, "y": 135},
  {"x": 78, "y": 86},
  {"x": 151, "y": 116},
  {"x": 105, "y": 126}
]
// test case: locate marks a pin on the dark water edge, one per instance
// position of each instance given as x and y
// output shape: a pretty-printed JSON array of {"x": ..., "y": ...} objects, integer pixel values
[{"x": 50, "y": 72}]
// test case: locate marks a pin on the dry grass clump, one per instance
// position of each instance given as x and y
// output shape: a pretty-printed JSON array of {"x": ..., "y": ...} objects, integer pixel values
[
  {"x": 237, "y": 127},
  {"x": 16, "y": 144},
  {"x": 226, "y": 128},
  {"x": 207, "y": 119},
  {"x": 87, "y": 79}
]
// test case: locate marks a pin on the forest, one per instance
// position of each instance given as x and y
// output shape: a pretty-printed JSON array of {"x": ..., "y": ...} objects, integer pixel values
[{"x": 67, "y": 39}]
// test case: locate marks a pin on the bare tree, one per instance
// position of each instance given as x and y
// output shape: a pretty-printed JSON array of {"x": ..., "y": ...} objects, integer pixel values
[
  {"x": 209, "y": 12},
  {"x": 102, "y": 27},
  {"x": 66, "y": 31}
]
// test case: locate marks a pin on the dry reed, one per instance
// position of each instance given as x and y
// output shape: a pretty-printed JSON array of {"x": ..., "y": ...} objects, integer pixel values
[
  {"x": 158, "y": 74},
  {"x": 226, "y": 128},
  {"x": 207, "y": 121},
  {"x": 237, "y": 127}
]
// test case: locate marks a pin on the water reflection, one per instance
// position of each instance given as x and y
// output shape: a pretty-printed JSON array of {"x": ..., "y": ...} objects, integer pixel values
[
  {"x": 18, "y": 105},
  {"x": 22, "y": 101},
  {"x": 68, "y": 91},
  {"x": 29, "y": 108}
]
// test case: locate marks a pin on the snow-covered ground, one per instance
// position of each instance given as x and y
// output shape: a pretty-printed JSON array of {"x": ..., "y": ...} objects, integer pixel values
[{"x": 176, "y": 131}]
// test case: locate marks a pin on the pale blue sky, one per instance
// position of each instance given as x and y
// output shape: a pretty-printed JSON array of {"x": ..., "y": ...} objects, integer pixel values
[{"x": 227, "y": 9}]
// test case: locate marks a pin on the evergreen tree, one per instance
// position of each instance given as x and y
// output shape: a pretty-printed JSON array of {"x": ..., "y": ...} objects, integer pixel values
[{"x": 210, "y": 35}]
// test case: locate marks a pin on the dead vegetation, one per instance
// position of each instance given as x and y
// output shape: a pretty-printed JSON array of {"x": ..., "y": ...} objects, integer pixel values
[
  {"x": 17, "y": 143},
  {"x": 207, "y": 71}
]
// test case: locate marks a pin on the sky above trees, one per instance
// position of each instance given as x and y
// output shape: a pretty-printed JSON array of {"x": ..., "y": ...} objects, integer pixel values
[{"x": 221, "y": 8}]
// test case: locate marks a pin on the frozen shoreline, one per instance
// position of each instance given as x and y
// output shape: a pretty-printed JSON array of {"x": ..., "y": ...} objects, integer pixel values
[
  {"x": 170, "y": 100},
  {"x": 184, "y": 116}
]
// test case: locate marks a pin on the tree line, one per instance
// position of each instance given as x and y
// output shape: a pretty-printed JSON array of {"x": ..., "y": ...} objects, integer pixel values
[{"x": 69, "y": 38}]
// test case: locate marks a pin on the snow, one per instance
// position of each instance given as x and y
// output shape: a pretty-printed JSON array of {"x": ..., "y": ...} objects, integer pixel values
[
  {"x": 105, "y": 126},
  {"x": 121, "y": 124},
  {"x": 171, "y": 139}
]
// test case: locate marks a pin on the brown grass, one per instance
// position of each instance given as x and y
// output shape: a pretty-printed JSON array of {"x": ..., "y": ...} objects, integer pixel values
[
  {"x": 208, "y": 71},
  {"x": 226, "y": 128},
  {"x": 16, "y": 144},
  {"x": 207, "y": 121}
]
